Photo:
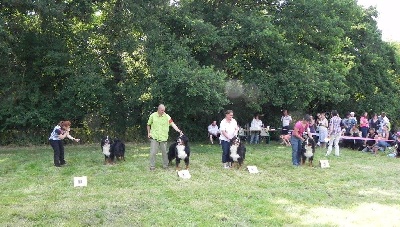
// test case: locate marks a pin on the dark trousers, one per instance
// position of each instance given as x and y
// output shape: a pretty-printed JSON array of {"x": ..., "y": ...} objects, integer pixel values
[
  {"x": 225, "y": 151},
  {"x": 58, "y": 148}
]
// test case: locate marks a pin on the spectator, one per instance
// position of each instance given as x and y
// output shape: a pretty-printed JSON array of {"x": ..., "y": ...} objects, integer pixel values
[
  {"x": 383, "y": 141},
  {"x": 352, "y": 119},
  {"x": 157, "y": 131},
  {"x": 357, "y": 144},
  {"x": 396, "y": 152},
  {"x": 286, "y": 119},
  {"x": 213, "y": 131},
  {"x": 323, "y": 129},
  {"x": 255, "y": 128},
  {"x": 371, "y": 143},
  {"x": 334, "y": 133},
  {"x": 364, "y": 125},
  {"x": 375, "y": 123},
  {"x": 346, "y": 124}
]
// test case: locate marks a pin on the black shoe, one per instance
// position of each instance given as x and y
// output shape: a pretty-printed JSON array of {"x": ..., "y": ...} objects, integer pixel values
[
  {"x": 57, "y": 165},
  {"x": 63, "y": 162}
]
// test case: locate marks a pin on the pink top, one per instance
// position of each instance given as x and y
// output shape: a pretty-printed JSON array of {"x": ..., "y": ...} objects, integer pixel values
[
  {"x": 300, "y": 128},
  {"x": 364, "y": 122}
]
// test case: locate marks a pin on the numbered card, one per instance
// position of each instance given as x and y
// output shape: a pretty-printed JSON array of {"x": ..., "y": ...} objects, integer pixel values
[
  {"x": 324, "y": 163},
  {"x": 252, "y": 169},
  {"x": 184, "y": 174},
  {"x": 80, "y": 181}
]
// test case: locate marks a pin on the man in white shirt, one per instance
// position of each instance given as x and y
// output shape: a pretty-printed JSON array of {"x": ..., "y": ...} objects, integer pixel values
[{"x": 213, "y": 131}]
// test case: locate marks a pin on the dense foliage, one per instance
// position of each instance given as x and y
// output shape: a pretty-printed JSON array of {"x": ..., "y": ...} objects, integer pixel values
[{"x": 107, "y": 64}]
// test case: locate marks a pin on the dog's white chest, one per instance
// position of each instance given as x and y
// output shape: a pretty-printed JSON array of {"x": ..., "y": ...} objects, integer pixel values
[
  {"x": 308, "y": 153},
  {"x": 181, "y": 151},
  {"x": 106, "y": 149},
  {"x": 234, "y": 155}
]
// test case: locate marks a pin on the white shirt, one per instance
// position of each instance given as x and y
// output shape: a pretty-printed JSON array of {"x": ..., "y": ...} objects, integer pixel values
[
  {"x": 256, "y": 124},
  {"x": 286, "y": 120},
  {"x": 229, "y": 127},
  {"x": 213, "y": 129}
]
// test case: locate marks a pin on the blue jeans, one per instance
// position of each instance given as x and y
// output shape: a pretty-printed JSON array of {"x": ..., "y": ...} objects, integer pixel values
[
  {"x": 254, "y": 137},
  {"x": 364, "y": 131},
  {"x": 383, "y": 144},
  {"x": 296, "y": 150},
  {"x": 225, "y": 151}
]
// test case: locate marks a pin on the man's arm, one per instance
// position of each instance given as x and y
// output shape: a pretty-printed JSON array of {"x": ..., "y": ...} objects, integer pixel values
[{"x": 176, "y": 128}]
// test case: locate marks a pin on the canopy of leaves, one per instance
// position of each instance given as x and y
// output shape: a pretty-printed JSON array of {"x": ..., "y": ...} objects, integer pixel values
[{"x": 107, "y": 64}]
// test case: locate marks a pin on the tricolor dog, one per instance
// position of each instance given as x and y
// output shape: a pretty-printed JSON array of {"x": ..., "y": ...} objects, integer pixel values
[
  {"x": 307, "y": 150},
  {"x": 237, "y": 151},
  {"x": 111, "y": 149},
  {"x": 106, "y": 149},
  {"x": 179, "y": 150}
]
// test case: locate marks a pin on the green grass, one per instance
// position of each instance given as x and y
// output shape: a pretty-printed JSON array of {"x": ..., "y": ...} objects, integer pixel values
[{"x": 358, "y": 189}]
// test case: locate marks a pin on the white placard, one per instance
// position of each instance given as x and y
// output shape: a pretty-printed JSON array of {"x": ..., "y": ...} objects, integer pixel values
[
  {"x": 80, "y": 181},
  {"x": 184, "y": 174},
  {"x": 324, "y": 163},
  {"x": 252, "y": 169}
]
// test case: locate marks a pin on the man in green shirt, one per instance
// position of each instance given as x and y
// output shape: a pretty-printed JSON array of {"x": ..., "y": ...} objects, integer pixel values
[{"x": 157, "y": 131}]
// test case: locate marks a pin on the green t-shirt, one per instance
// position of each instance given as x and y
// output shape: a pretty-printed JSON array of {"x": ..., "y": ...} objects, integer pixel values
[{"x": 159, "y": 126}]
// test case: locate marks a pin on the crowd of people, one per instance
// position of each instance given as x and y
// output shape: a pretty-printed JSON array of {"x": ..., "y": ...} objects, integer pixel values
[{"x": 329, "y": 131}]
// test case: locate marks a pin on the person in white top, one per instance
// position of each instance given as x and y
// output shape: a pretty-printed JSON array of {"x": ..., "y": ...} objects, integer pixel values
[
  {"x": 213, "y": 131},
  {"x": 255, "y": 129},
  {"x": 228, "y": 129},
  {"x": 286, "y": 119}
]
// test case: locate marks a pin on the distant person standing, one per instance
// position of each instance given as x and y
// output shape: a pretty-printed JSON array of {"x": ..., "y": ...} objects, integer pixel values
[
  {"x": 60, "y": 132},
  {"x": 157, "y": 131},
  {"x": 213, "y": 131},
  {"x": 255, "y": 129},
  {"x": 334, "y": 133},
  {"x": 286, "y": 119},
  {"x": 228, "y": 129},
  {"x": 364, "y": 124},
  {"x": 322, "y": 129}
]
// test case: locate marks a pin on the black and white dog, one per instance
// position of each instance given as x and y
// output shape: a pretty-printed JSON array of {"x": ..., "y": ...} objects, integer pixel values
[
  {"x": 179, "y": 150},
  {"x": 105, "y": 144},
  {"x": 111, "y": 149},
  {"x": 237, "y": 151},
  {"x": 307, "y": 150}
]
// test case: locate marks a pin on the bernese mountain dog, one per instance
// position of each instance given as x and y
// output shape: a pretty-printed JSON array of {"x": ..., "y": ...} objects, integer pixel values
[
  {"x": 237, "y": 152},
  {"x": 105, "y": 144},
  {"x": 112, "y": 149},
  {"x": 179, "y": 150},
  {"x": 307, "y": 150}
]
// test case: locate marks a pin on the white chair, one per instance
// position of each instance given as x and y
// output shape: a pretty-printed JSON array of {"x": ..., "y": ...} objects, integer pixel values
[
  {"x": 242, "y": 134},
  {"x": 264, "y": 134}
]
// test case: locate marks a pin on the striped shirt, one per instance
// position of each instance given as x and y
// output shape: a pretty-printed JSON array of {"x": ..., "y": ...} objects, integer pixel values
[{"x": 334, "y": 125}]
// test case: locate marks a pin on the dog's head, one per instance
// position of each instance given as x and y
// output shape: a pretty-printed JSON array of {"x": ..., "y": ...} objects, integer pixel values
[
  {"x": 235, "y": 141},
  {"x": 106, "y": 141},
  {"x": 183, "y": 140}
]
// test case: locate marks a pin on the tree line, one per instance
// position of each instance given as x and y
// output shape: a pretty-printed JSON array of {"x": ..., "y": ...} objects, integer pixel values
[{"x": 107, "y": 64}]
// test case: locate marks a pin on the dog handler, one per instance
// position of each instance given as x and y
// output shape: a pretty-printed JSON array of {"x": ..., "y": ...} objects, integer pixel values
[
  {"x": 57, "y": 135},
  {"x": 229, "y": 129},
  {"x": 157, "y": 131},
  {"x": 297, "y": 138}
]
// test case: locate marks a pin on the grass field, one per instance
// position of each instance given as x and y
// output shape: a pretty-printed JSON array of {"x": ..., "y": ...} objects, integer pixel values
[{"x": 358, "y": 189}]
